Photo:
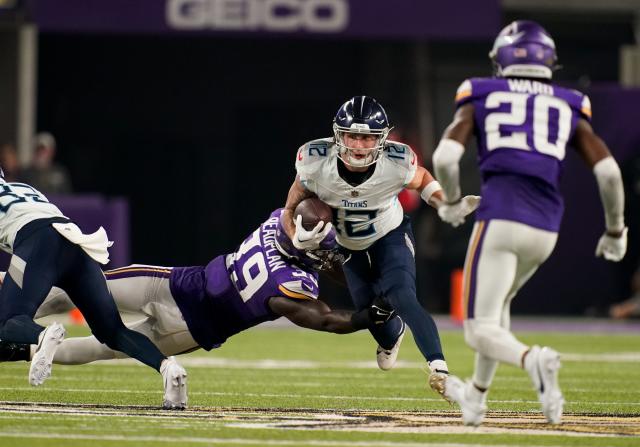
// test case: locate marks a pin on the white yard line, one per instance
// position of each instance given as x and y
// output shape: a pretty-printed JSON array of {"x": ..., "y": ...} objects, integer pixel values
[
  {"x": 241, "y": 441},
  {"x": 221, "y": 362},
  {"x": 298, "y": 396}
]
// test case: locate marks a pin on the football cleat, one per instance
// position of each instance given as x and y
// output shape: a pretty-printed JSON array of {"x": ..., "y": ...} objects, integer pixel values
[
  {"x": 175, "y": 385},
  {"x": 50, "y": 339},
  {"x": 543, "y": 365},
  {"x": 472, "y": 401},
  {"x": 387, "y": 357},
  {"x": 437, "y": 380}
]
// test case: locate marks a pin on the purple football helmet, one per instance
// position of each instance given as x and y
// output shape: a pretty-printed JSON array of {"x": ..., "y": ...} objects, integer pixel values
[
  {"x": 524, "y": 49},
  {"x": 323, "y": 258}
]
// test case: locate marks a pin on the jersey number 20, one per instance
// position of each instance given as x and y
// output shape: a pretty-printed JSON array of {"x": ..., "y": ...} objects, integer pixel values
[{"x": 548, "y": 112}]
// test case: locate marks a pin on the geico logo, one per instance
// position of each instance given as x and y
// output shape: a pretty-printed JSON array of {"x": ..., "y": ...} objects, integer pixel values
[{"x": 272, "y": 15}]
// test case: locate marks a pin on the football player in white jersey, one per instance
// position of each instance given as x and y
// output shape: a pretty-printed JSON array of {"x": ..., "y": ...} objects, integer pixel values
[
  {"x": 48, "y": 249},
  {"x": 523, "y": 123},
  {"x": 359, "y": 174}
]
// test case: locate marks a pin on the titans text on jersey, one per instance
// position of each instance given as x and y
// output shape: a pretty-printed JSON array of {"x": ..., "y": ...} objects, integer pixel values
[{"x": 366, "y": 212}]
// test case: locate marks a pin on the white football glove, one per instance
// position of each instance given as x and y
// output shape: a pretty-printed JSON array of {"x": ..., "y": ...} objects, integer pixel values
[
  {"x": 455, "y": 213},
  {"x": 310, "y": 240},
  {"x": 612, "y": 248}
]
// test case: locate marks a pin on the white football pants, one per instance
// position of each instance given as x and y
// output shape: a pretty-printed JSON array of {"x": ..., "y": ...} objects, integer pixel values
[
  {"x": 501, "y": 257},
  {"x": 141, "y": 293}
]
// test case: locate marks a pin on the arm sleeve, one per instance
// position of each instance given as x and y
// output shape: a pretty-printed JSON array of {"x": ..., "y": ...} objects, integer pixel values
[{"x": 609, "y": 180}]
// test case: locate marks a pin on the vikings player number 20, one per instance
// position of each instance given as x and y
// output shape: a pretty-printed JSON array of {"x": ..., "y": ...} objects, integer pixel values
[
  {"x": 546, "y": 110},
  {"x": 254, "y": 268}
]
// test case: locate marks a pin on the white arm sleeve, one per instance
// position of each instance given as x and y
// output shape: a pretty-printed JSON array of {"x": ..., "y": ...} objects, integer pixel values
[
  {"x": 445, "y": 164},
  {"x": 609, "y": 180}
]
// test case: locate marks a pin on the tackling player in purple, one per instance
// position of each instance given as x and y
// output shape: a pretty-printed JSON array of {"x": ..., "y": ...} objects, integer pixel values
[
  {"x": 523, "y": 124},
  {"x": 187, "y": 308}
]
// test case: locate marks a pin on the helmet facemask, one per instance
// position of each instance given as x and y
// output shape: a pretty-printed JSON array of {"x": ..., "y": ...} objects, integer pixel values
[{"x": 353, "y": 156}]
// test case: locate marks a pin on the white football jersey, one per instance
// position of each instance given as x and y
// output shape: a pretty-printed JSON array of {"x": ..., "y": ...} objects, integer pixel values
[
  {"x": 366, "y": 212},
  {"x": 19, "y": 205}
]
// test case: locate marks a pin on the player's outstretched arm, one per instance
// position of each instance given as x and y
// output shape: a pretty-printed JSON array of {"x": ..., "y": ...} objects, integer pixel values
[
  {"x": 613, "y": 243},
  {"x": 297, "y": 193},
  {"x": 446, "y": 159},
  {"x": 316, "y": 315},
  {"x": 447, "y": 155}
]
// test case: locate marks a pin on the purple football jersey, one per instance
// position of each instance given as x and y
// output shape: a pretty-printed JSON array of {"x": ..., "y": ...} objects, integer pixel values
[
  {"x": 522, "y": 127},
  {"x": 232, "y": 292}
]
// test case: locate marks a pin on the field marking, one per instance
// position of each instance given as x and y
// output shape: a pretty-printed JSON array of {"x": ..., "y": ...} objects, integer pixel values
[
  {"x": 417, "y": 422},
  {"x": 277, "y": 364},
  {"x": 244, "y": 441},
  {"x": 303, "y": 396}
]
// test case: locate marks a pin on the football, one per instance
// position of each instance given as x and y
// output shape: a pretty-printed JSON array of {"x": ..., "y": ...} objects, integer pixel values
[{"x": 313, "y": 210}]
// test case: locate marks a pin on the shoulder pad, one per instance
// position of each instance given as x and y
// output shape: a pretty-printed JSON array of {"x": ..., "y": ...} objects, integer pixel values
[
  {"x": 464, "y": 92},
  {"x": 403, "y": 157},
  {"x": 579, "y": 102},
  {"x": 300, "y": 289},
  {"x": 585, "y": 107},
  {"x": 311, "y": 153},
  {"x": 474, "y": 88}
]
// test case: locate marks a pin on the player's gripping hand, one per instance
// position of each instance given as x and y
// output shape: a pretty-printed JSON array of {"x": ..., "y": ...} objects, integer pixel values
[
  {"x": 454, "y": 213},
  {"x": 310, "y": 239},
  {"x": 612, "y": 248}
]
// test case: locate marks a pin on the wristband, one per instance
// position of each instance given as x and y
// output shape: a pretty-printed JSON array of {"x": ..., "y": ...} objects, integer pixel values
[{"x": 429, "y": 190}]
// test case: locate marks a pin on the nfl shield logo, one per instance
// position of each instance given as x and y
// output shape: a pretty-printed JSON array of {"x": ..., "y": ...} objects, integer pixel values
[{"x": 354, "y": 193}]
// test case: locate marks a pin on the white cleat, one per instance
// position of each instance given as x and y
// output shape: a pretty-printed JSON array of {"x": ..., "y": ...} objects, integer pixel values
[
  {"x": 175, "y": 385},
  {"x": 387, "y": 357},
  {"x": 472, "y": 402},
  {"x": 543, "y": 365},
  {"x": 50, "y": 339}
]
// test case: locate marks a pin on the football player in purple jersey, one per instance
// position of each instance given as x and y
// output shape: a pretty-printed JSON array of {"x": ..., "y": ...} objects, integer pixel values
[
  {"x": 523, "y": 124},
  {"x": 186, "y": 308}
]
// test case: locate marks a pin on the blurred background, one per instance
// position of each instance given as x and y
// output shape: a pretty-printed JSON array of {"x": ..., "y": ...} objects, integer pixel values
[{"x": 175, "y": 123}]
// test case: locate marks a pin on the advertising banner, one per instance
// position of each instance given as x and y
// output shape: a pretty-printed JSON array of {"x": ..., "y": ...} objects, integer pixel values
[{"x": 406, "y": 19}]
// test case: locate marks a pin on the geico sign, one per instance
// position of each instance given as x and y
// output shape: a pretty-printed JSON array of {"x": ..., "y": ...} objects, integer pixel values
[{"x": 272, "y": 15}]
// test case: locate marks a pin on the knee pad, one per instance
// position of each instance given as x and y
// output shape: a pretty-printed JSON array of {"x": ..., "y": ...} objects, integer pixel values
[{"x": 480, "y": 336}]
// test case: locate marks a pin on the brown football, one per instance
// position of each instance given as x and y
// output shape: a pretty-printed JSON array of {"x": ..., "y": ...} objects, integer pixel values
[{"x": 313, "y": 210}]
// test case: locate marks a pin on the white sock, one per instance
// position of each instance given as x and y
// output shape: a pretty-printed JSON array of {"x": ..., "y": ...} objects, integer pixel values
[
  {"x": 78, "y": 351},
  {"x": 484, "y": 371},
  {"x": 439, "y": 365}
]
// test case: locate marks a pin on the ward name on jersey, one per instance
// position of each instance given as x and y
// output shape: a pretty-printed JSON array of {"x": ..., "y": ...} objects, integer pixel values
[
  {"x": 232, "y": 292},
  {"x": 366, "y": 212},
  {"x": 523, "y": 128}
]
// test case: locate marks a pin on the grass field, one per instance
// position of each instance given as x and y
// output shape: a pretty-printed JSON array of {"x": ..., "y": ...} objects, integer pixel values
[{"x": 289, "y": 387}]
